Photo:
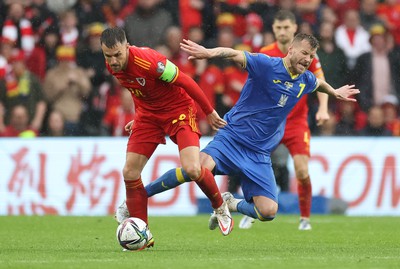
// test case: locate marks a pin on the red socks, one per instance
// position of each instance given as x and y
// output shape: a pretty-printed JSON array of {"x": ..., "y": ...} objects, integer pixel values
[
  {"x": 207, "y": 184},
  {"x": 305, "y": 194},
  {"x": 136, "y": 199}
]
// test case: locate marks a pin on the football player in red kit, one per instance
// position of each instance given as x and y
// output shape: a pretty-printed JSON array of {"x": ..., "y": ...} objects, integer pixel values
[{"x": 165, "y": 105}]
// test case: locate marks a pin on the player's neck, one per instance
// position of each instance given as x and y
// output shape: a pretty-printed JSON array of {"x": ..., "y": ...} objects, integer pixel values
[
  {"x": 283, "y": 47},
  {"x": 288, "y": 66}
]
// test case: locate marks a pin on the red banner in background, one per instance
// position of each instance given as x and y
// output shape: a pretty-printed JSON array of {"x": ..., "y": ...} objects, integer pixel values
[{"x": 82, "y": 176}]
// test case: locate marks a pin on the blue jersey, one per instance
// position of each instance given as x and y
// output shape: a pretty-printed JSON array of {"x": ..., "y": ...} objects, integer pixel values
[{"x": 257, "y": 121}]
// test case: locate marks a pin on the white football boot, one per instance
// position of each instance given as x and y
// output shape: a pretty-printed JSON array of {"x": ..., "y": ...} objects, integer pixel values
[
  {"x": 224, "y": 219},
  {"x": 213, "y": 222},
  {"x": 304, "y": 224},
  {"x": 246, "y": 222},
  {"x": 231, "y": 201},
  {"x": 121, "y": 213}
]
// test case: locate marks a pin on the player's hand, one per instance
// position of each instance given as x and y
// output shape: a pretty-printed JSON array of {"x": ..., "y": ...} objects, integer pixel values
[
  {"x": 195, "y": 50},
  {"x": 215, "y": 120},
  {"x": 345, "y": 91},
  {"x": 321, "y": 117},
  {"x": 128, "y": 126}
]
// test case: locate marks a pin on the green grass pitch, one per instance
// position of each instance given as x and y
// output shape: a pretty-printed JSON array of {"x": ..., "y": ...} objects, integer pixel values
[{"x": 186, "y": 242}]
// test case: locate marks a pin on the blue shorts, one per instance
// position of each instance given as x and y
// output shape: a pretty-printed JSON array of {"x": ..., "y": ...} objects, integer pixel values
[{"x": 254, "y": 169}]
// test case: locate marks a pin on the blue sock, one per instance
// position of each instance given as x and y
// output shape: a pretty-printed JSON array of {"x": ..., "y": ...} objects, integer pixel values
[
  {"x": 249, "y": 209},
  {"x": 169, "y": 180}
]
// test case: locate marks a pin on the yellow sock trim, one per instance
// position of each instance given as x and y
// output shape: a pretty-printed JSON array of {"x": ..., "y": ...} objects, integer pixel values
[{"x": 179, "y": 175}]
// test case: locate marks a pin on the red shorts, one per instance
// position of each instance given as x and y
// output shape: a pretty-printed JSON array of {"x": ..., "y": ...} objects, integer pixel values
[
  {"x": 149, "y": 130},
  {"x": 297, "y": 140}
]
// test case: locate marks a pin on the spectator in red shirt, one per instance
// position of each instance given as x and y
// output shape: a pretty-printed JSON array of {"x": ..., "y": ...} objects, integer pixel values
[
  {"x": 389, "y": 12},
  {"x": 253, "y": 36},
  {"x": 116, "y": 119},
  {"x": 190, "y": 14}
]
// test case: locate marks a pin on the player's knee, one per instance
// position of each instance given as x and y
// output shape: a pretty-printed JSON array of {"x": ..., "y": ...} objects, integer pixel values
[
  {"x": 130, "y": 173},
  {"x": 192, "y": 170},
  {"x": 267, "y": 212}
]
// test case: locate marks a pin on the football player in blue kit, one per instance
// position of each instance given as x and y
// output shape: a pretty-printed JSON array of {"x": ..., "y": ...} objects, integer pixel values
[{"x": 255, "y": 125}]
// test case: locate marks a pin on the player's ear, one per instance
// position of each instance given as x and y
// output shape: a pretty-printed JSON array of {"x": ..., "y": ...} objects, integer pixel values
[{"x": 290, "y": 49}]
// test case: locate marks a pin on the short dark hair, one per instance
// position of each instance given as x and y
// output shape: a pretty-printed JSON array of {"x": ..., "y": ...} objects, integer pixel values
[
  {"x": 312, "y": 40},
  {"x": 111, "y": 36},
  {"x": 283, "y": 15}
]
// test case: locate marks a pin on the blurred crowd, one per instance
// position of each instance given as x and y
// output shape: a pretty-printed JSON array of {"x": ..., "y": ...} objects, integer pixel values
[{"x": 53, "y": 80}]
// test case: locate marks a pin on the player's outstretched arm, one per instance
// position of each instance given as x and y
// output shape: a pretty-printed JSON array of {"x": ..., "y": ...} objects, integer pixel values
[
  {"x": 322, "y": 114},
  {"x": 197, "y": 51},
  {"x": 341, "y": 93}
]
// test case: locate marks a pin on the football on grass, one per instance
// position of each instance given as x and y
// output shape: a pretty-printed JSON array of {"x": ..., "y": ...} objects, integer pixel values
[{"x": 133, "y": 234}]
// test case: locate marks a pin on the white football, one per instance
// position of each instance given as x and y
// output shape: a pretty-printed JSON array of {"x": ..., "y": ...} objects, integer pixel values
[{"x": 133, "y": 234}]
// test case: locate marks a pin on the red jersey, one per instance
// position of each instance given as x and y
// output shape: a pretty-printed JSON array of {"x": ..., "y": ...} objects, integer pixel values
[
  {"x": 153, "y": 92},
  {"x": 300, "y": 111}
]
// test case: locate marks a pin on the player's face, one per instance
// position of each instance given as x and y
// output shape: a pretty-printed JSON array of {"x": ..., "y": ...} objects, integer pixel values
[
  {"x": 300, "y": 56},
  {"x": 117, "y": 56},
  {"x": 284, "y": 31}
]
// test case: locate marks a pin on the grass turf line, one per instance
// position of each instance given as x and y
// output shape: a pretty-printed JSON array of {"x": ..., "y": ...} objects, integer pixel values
[{"x": 186, "y": 242}]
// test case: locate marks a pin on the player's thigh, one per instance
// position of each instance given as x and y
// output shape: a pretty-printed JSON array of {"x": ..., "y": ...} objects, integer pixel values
[
  {"x": 145, "y": 137},
  {"x": 220, "y": 156},
  {"x": 207, "y": 161},
  {"x": 134, "y": 165},
  {"x": 257, "y": 179},
  {"x": 182, "y": 128}
]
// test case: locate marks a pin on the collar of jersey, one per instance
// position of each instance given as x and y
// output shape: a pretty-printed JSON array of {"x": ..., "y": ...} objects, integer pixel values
[{"x": 287, "y": 69}]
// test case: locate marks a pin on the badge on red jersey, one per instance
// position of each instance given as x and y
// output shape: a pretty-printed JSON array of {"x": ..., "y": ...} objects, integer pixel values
[{"x": 141, "y": 81}]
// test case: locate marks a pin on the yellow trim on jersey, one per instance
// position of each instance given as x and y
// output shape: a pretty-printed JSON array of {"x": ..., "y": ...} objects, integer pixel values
[
  {"x": 177, "y": 75},
  {"x": 142, "y": 63},
  {"x": 287, "y": 69},
  {"x": 319, "y": 74},
  {"x": 245, "y": 60},
  {"x": 192, "y": 120}
]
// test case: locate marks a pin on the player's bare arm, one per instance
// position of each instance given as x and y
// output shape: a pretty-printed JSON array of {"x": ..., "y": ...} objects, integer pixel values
[
  {"x": 197, "y": 51},
  {"x": 322, "y": 114},
  {"x": 341, "y": 93}
]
